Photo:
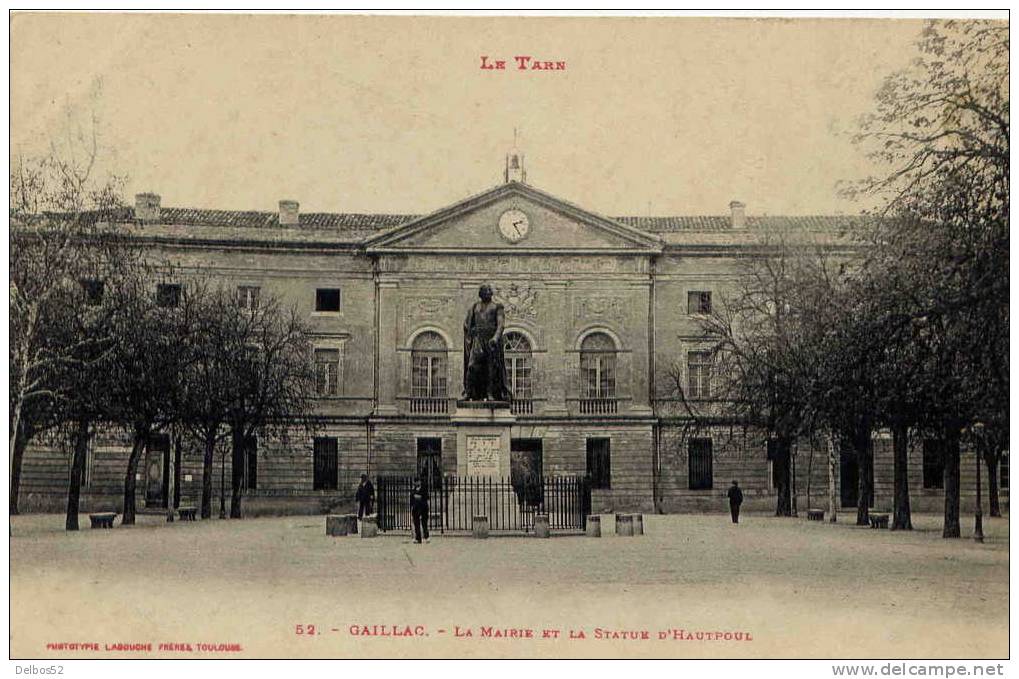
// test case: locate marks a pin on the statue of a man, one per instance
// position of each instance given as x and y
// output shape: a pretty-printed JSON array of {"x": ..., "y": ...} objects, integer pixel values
[{"x": 484, "y": 363}]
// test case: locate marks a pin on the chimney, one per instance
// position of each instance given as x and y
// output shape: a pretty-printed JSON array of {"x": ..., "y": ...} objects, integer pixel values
[
  {"x": 289, "y": 213},
  {"x": 739, "y": 214},
  {"x": 146, "y": 207}
]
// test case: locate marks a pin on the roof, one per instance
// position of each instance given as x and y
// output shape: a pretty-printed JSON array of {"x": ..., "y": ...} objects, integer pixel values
[
  {"x": 703, "y": 223},
  {"x": 373, "y": 222},
  {"x": 360, "y": 229}
]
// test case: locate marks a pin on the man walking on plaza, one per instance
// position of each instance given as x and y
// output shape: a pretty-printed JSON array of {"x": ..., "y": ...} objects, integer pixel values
[
  {"x": 419, "y": 509},
  {"x": 365, "y": 497},
  {"x": 735, "y": 500}
]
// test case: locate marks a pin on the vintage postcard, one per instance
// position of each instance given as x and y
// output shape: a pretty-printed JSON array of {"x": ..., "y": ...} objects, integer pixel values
[{"x": 350, "y": 336}]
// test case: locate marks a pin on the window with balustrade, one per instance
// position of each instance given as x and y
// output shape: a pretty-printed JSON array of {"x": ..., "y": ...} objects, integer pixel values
[
  {"x": 517, "y": 351},
  {"x": 598, "y": 374},
  {"x": 428, "y": 374}
]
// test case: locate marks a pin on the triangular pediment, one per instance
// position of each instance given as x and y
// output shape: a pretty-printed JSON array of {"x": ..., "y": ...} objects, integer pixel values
[{"x": 514, "y": 217}]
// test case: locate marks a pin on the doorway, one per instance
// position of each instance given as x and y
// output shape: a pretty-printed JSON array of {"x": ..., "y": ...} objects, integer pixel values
[
  {"x": 849, "y": 477},
  {"x": 429, "y": 463},
  {"x": 157, "y": 470},
  {"x": 526, "y": 470}
]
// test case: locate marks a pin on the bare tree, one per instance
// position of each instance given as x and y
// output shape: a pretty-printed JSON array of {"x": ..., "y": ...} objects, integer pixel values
[
  {"x": 759, "y": 377},
  {"x": 941, "y": 129},
  {"x": 57, "y": 204},
  {"x": 150, "y": 358},
  {"x": 249, "y": 371}
]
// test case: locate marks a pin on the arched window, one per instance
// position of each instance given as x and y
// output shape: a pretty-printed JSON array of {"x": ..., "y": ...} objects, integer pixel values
[
  {"x": 598, "y": 374},
  {"x": 518, "y": 369},
  {"x": 428, "y": 373}
]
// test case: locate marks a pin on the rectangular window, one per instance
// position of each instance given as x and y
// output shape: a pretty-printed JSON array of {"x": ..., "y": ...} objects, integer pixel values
[
  {"x": 327, "y": 372},
  {"x": 93, "y": 290},
  {"x": 698, "y": 302},
  {"x": 168, "y": 295},
  {"x": 933, "y": 464},
  {"x": 247, "y": 296},
  {"x": 251, "y": 463},
  {"x": 701, "y": 475},
  {"x": 325, "y": 463},
  {"x": 599, "y": 463},
  {"x": 699, "y": 374},
  {"x": 327, "y": 299}
]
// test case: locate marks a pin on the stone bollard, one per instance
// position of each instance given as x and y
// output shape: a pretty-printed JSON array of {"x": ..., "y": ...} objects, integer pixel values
[
  {"x": 541, "y": 527},
  {"x": 336, "y": 524},
  {"x": 624, "y": 524},
  {"x": 638, "y": 524},
  {"x": 480, "y": 527},
  {"x": 351, "y": 520},
  {"x": 369, "y": 527},
  {"x": 593, "y": 526}
]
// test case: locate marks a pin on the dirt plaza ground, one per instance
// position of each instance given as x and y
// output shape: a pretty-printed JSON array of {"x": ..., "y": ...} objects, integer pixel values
[{"x": 693, "y": 586}]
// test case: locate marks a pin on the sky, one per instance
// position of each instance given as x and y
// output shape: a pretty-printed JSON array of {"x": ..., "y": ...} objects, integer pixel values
[{"x": 651, "y": 116}]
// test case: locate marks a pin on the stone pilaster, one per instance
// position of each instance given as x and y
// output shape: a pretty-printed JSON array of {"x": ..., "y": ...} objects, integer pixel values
[
  {"x": 388, "y": 344},
  {"x": 554, "y": 314}
]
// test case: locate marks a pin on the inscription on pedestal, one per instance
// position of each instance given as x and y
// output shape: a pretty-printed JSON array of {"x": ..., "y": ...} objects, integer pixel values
[{"x": 483, "y": 455}]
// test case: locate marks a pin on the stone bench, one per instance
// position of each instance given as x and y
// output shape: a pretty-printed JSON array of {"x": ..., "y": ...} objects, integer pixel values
[
  {"x": 879, "y": 521},
  {"x": 815, "y": 515},
  {"x": 102, "y": 519},
  {"x": 624, "y": 524},
  {"x": 341, "y": 524},
  {"x": 187, "y": 513},
  {"x": 593, "y": 529}
]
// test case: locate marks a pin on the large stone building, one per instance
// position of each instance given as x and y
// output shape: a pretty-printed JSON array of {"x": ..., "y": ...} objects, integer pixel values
[{"x": 602, "y": 318}]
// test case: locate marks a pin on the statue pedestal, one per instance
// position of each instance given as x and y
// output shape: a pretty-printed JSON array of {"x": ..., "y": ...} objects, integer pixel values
[
  {"x": 483, "y": 456},
  {"x": 483, "y": 438}
]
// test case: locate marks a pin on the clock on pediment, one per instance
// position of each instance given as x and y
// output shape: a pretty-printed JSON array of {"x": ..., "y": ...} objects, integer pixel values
[{"x": 514, "y": 225}]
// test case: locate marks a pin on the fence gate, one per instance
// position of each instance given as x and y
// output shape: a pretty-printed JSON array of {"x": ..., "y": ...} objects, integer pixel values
[{"x": 509, "y": 504}]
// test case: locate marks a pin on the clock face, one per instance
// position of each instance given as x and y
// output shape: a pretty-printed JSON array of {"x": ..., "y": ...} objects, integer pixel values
[{"x": 514, "y": 225}]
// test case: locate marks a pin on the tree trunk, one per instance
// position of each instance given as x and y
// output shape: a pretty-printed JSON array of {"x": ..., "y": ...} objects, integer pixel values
[
  {"x": 210, "y": 452},
  {"x": 79, "y": 440},
  {"x": 833, "y": 470},
  {"x": 951, "y": 457},
  {"x": 902, "y": 517},
  {"x": 865, "y": 464},
  {"x": 140, "y": 439},
  {"x": 237, "y": 462},
  {"x": 21, "y": 439},
  {"x": 992, "y": 457},
  {"x": 781, "y": 461}
]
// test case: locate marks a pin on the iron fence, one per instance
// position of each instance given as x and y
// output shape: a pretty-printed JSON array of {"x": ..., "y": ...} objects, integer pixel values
[{"x": 509, "y": 503}]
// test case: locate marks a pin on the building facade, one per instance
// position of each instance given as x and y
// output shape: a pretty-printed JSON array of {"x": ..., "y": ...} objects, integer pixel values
[{"x": 602, "y": 319}]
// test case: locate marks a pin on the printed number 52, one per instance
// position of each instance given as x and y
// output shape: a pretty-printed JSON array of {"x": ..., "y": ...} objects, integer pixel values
[{"x": 304, "y": 629}]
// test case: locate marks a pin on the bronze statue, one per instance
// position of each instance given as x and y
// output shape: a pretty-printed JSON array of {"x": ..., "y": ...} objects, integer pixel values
[{"x": 484, "y": 363}]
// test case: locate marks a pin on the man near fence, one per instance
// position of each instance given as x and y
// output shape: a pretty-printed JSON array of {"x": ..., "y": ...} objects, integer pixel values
[
  {"x": 735, "y": 500},
  {"x": 419, "y": 509},
  {"x": 365, "y": 497}
]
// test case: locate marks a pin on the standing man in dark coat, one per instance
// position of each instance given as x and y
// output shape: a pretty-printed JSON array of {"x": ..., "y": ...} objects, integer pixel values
[
  {"x": 419, "y": 509},
  {"x": 735, "y": 500},
  {"x": 484, "y": 363},
  {"x": 365, "y": 497}
]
